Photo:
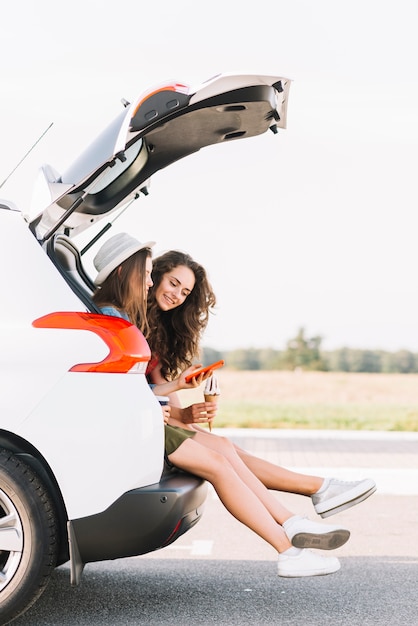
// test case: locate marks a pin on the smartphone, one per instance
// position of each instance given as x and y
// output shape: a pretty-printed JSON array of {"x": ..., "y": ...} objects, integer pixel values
[{"x": 203, "y": 370}]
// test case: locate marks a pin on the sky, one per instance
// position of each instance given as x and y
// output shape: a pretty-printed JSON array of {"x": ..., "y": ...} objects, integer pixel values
[{"x": 315, "y": 227}]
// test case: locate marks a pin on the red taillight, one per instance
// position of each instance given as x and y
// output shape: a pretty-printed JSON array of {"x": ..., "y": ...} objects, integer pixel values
[
  {"x": 175, "y": 87},
  {"x": 127, "y": 345}
]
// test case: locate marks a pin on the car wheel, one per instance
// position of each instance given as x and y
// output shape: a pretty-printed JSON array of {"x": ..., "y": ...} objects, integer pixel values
[{"x": 28, "y": 537}]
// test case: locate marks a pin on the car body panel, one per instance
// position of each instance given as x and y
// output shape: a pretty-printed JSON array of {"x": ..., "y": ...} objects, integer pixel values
[
  {"x": 114, "y": 532},
  {"x": 33, "y": 360},
  {"x": 112, "y": 437}
]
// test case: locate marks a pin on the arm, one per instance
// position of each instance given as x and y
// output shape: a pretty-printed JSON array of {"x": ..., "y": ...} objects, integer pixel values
[
  {"x": 200, "y": 412},
  {"x": 164, "y": 387},
  {"x": 157, "y": 378}
]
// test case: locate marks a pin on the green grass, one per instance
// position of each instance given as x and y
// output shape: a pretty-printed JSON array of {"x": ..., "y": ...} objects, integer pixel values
[{"x": 238, "y": 414}]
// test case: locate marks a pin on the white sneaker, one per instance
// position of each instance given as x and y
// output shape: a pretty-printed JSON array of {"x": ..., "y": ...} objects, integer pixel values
[
  {"x": 306, "y": 563},
  {"x": 340, "y": 495},
  {"x": 303, "y": 533}
]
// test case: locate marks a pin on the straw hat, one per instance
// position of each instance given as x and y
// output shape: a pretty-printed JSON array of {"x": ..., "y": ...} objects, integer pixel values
[{"x": 114, "y": 252}]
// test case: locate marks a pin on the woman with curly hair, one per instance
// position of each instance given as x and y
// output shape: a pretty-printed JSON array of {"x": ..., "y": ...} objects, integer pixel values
[
  {"x": 179, "y": 303},
  {"x": 178, "y": 311}
]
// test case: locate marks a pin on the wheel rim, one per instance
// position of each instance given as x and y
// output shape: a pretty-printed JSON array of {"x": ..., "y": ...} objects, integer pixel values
[{"x": 11, "y": 540}]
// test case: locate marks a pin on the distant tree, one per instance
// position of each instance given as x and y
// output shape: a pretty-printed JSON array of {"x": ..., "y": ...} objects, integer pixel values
[
  {"x": 305, "y": 353},
  {"x": 364, "y": 361},
  {"x": 269, "y": 359},
  {"x": 386, "y": 363},
  {"x": 209, "y": 355},
  {"x": 244, "y": 359},
  {"x": 404, "y": 362},
  {"x": 338, "y": 360},
  {"x": 302, "y": 352}
]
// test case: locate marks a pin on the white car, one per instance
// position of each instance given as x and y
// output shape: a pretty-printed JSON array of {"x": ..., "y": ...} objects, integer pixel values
[{"x": 82, "y": 474}]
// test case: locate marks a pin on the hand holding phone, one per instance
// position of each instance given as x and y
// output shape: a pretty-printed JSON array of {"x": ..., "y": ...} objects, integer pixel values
[{"x": 204, "y": 370}]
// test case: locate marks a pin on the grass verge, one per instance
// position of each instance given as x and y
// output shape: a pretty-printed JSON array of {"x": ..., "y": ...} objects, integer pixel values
[{"x": 236, "y": 414}]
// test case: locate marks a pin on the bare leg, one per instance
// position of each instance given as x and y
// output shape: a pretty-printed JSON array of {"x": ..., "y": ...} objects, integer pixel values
[
  {"x": 335, "y": 495},
  {"x": 234, "y": 493},
  {"x": 279, "y": 478},
  {"x": 272, "y": 476},
  {"x": 234, "y": 485},
  {"x": 227, "y": 449}
]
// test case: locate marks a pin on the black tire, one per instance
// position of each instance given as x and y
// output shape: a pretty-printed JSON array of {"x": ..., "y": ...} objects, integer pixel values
[{"x": 28, "y": 537}]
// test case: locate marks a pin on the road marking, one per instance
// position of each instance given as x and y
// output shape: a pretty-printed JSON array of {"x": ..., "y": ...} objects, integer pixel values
[
  {"x": 202, "y": 547},
  {"x": 199, "y": 547}
]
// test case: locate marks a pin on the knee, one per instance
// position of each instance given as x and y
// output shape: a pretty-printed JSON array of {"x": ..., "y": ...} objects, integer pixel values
[
  {"x": 219, "y": 463},
  {"x": 226, "y": 447}
]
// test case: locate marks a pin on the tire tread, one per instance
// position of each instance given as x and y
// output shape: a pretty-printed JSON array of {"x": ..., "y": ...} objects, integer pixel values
[{"x": 19, "y": 471}]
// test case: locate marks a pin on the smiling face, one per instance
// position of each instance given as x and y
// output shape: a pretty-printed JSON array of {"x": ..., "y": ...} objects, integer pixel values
[{"x": 174, "y": 287}]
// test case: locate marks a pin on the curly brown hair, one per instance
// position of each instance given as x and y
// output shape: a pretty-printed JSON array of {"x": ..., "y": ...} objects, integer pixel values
[
  {"x": 125, "y": 289},
  {"x": 174, "y": 336}
]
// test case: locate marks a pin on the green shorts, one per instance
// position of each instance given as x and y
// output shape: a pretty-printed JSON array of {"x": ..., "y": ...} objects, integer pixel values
[{"x": 174, "y": 437}]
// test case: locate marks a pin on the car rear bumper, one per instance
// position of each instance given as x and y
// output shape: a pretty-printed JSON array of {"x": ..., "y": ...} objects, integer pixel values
[{"x": 140, "y": 521}]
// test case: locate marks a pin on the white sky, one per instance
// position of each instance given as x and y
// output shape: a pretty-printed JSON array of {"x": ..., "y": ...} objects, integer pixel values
[{"x": 313, "y": 227}]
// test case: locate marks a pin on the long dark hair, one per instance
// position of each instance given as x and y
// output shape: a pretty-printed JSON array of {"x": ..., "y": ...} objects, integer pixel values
[
  {"x": 125, "y": 289},
  {"x": 174, "y": 336}
]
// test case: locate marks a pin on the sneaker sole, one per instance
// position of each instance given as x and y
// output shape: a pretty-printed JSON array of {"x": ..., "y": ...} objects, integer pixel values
[
  {"x": 326, "y": 541},
  {"x": 305, "y": 573},
  {"x": 347, "y": 505},
  {"x": 343, "y": 498}
]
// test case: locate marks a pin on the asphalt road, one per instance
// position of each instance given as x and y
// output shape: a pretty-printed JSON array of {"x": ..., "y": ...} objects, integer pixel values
[{"x": 221, "y": 573}]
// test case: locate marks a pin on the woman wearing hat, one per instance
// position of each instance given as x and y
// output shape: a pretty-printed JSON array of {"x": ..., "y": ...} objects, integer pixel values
[{"x": 124, "y": 277}]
